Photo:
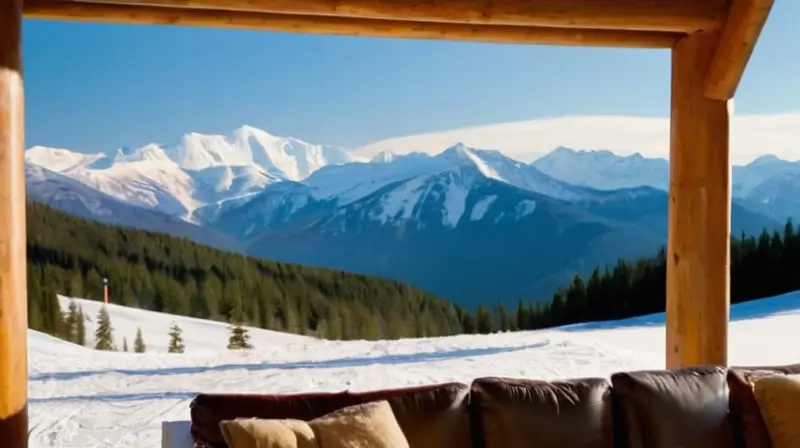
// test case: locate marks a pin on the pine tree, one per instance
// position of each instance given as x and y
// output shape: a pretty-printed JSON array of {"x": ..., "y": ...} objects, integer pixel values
[
  {"x": 175, "y": 339},
  {"x": 138, "y": 343},
  {"x": 104, "y": 335},
  {"x": 239, "y": 339},
  {"x": 523, "y": 313},
  {"x": 124, "y": 344},
  {"x": 52, "y": 318},
  {"x": 483, "y": 320},
  {"x": 35, "y": 319},
  {"x": 71, "y": 320},
  {"x": 80, "y": 328},
  {"x": 503, "y": 321}
]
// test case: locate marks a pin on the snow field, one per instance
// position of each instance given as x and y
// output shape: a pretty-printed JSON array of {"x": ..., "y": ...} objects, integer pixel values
[{"x": 80, "y": 397}]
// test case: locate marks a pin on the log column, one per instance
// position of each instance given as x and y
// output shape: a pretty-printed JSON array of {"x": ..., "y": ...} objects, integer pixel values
[
  {"x": 698, "y": 248},
  {"x": 13, "y": 281}
]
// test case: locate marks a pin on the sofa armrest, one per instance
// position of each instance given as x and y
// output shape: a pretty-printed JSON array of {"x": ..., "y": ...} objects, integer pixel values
[{"x": 176, "y": 434}]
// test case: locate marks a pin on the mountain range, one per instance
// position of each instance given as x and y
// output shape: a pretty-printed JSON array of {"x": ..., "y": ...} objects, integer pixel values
[{"x": 469, "y": 224}]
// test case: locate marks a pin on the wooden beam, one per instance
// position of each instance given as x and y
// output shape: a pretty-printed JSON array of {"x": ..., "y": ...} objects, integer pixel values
[
  {"x": 128, "y": 14},
  {"x": 739, "y": 36},
  {"x": 682, "y": 16},
  {"x": 698, "y": 247},
  {"x": 13, "y": 280}
]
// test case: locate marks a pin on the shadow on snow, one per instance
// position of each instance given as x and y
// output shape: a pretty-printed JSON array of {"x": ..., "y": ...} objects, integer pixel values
[
  {"x": 413, "y": 358},
  {"x": 117, "y": 397},
  {"x": 785, "y": 304}
]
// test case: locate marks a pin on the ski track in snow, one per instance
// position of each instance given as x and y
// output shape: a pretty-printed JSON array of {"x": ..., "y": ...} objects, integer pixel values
[{"x": 83, "y": 398}]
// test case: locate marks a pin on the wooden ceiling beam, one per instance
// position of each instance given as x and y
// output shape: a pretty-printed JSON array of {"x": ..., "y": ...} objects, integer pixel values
[
  {"x": 739, "y": 36},
  {"x": 129, "y": 14},
  {"x": 682, "y": 16}
]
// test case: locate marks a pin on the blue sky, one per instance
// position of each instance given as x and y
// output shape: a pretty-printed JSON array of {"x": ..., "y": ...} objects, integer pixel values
[{"x": 96, "y": 87}]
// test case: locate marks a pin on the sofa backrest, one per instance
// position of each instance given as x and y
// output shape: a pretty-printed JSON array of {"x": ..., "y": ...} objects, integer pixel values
[
  {"x": 510, "y": 413},
  {"x": 706, "y": 406},
  {"x": 678, "y": 408},
  {"x": 434, "y": 416}
]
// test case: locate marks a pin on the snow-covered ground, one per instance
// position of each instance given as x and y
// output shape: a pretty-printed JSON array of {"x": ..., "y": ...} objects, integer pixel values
[{"x": 84, "y": 398}]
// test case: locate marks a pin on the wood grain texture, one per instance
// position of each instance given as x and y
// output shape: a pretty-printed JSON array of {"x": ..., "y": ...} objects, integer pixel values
[
  {"x": 739, "y": 36},
  {"x": 698, "y": 241},
  {"x": 683, "y": 16},
  {"x": 13, "y": 280},
  {"x": 129, "y": 14}
]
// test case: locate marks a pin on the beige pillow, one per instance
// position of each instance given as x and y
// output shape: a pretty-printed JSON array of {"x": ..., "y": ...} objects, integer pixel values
[
  {"x": 262, "y": 433},
  {"x": 778, "y": 397},
  {"x": 369, "y": 425}
]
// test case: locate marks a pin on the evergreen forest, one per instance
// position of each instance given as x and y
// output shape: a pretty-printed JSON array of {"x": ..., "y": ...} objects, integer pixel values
[{"x": 71, "y": 256}]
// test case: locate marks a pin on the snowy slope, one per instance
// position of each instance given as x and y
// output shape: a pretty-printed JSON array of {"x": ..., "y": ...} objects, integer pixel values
[
  {"x": 200, "y": 335},
  {"x": 83, "y": 398},
  {"x": 199, "y": 170}
]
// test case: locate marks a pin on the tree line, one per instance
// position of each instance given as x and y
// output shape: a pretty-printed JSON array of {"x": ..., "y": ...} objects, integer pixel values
[
  {"x": 70, "y": 256},
  {"x": 761, "y": 266}
]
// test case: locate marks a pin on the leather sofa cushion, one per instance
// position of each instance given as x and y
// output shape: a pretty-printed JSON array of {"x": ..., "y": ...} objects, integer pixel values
[
  {"x": 431, "y": 416},
  {"x": 779, "y": 399},
  {"x": 512, "y": 413},
  {"x": 751, "y": 431},
  {"x": 434, "y": 416},
  {"x": 683, "y": 408}
]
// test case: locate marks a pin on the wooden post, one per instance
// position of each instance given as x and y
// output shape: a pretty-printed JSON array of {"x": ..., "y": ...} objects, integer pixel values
[
  {"x": 105, "y": 290},
  {"x": 13, "y": 280},
  {"x": 698, "y": 248}
]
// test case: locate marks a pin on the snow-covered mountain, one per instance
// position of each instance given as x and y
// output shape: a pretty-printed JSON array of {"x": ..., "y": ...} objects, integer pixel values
[
  {"x": 770, "y": 186},
  {"x": 604, "y": 170},
  {"x": 767, "y": 185},
  {"x": 465, "y": 223},
  {"x": 200, "y": 170},
  {"x": 409, "y": 178},
  {"x": 73, "y": 197}
]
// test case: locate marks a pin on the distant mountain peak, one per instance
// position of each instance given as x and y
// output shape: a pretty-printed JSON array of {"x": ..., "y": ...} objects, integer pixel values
[
  {"x": 458, "y": 150},
  {"x": 385, "y": 156},
  {"x": 248, "y": 129},
  {"x": 571, "y": 153},
  {"x": 766, "y": 159},
  {"x": 148, "y": 153},
  {"x": 60, "y": 159},
  {"x": 604, "y": 170},
  {"x": 200, "y": 170},
  {"x": 563, "y": 150}
]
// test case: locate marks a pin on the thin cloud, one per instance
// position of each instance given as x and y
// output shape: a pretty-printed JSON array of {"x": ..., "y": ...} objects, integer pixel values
[{"x": 751, "y": 137}]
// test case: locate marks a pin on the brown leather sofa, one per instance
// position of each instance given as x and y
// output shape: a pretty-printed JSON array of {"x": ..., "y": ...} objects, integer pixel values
[{"x": 699, "y": 407}]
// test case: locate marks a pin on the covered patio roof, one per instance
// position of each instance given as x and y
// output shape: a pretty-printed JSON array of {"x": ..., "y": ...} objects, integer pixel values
[{"x": 711, "y": 43}]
